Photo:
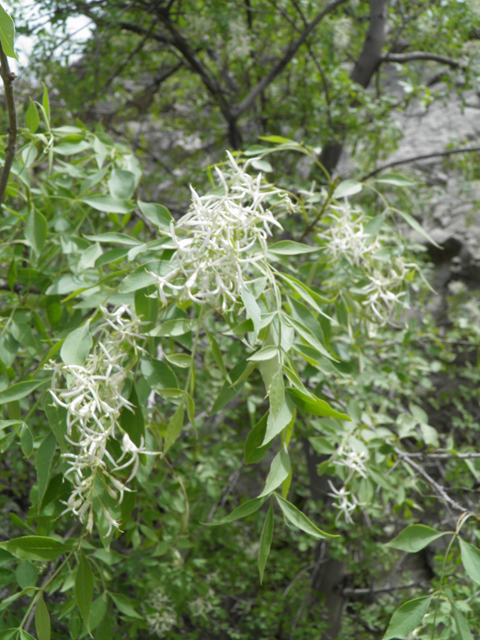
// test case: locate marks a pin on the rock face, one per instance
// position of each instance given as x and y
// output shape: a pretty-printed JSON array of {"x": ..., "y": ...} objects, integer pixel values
[{"x": 452, "y": 213}]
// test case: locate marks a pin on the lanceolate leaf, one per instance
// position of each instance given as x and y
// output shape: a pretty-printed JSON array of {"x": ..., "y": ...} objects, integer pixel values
[
  {"x": 265, "y": 541},
  {"x": 314, "y": 405},
  {"x": 43, "y": 463},
  {"x": 77, "y": 345},
  {"x": 244, "y": 510},
  {"x": 20, "y": 390},
  {"x": 42, "y": 620},
  {"x": 470, "y": 560},
  {"x": 300, "y": 520},
  {"x": 84, "y": 589},
  {"x": 278, "y": 472},
  {"x": 35, "y": 548},
  {"x": 174, "y": 427},
  {"x": 407, "y": 618},
  {"x": 463, "y": 630},
  {"x": 415, "y": 538},
  {"x": 7, "y": 33}
]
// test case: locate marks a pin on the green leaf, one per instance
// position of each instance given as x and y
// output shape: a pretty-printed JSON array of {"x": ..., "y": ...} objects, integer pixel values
[
  {"x": 173, "y": 328},
  {"x": 252, "y": 309},
  {"x": 415, "y": 538},
  {"x": 42, "y": 620},
  {"x": 43, "y": 463},
  {"x": 262, "y": 165},
  {"x": 174, "y": 427},
  {"x": 36, "y": 231},
  {"x": 8, "y": 634},
  {"x": 265, "y": 541},
  {"x": 84, "y": 589},
  {"x": 7, "y": 34},
  {"x": 277, "y": 423},
  {"x": 277, "y": 140},
  {"x": 157, "y": 214},
  {"x": 46, "y": 103},
  {"x": 290, "y": 248},
  {"x": 138, "y": 279},
  {"x": 133, "y": 422},
  {"x": 463, "y": 630},
  {"x": 158, "y": 374},
  {"x": 182, "y": 360},
  {"x": 244, "y": 510},
  {"x": 396, "y": 179},
  {"x": 32, "y": 119},
  {"x": 217, "y": 355},
  {"x": 57, "y": 418},
  {"x": 264, "y": 354},
  {"x": 470, "y": 560},
  {"x": 108, "y": 204},
  {"x": 407, "y": 618},
  {"x": 300, "y": 520},
  {"x": 124, "y": 605},
  {"x": 121, "y": 184},
  {"x": 146, "y": 307},
  {"x": 276, "y": 393},
  {"x": 39, "y": 548},
  {"x": 229, "y": 391},
  {"x": 26, "y": 440},
  {"x": 347, "y": 188},
  {"x": 77, "y": 345},
  {"x": 416, "y": 226},
  {"x": 312, "y": 404},
  {"x": 20, "y": 390},
  {"x": 310, "y": 338},
  {"x": 26, "y": 574},
  {"x": 117, "y": 238},
  {"x": 278, "y": 472},
  {"x": 253, "y": 450}
]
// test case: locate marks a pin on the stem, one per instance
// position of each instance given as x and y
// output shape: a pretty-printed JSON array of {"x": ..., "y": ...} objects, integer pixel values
[
  {"x": 440, "y": 589},
  {"x": 8, "y": 77}
]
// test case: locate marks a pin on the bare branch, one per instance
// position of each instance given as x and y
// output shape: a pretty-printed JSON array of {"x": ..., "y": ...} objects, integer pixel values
[
  {"x": 8, "y": 77},
  {"x": 287, "y": 57},
  {"x": 423, "y": 55},
  {"x": 439, "y": 154},
  {"x": 439, "y": 490}
]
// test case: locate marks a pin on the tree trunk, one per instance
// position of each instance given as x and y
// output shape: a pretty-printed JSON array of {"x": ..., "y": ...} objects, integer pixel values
[{"x": 362, "y": 73}]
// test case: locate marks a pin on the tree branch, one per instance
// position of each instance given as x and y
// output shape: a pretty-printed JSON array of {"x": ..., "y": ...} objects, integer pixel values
[
  {"x": 287, "y": 57},
  {"x": 425, "y": 156},
  {"x": 8, "y": 77},
  {"x": 423, "y": 55}
]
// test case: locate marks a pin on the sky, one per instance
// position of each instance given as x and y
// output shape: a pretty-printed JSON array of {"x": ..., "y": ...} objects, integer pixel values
[{"x": 77, "y": 27}]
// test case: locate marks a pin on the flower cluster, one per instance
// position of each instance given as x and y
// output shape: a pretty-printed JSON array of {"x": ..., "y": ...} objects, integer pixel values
[
  {"x": 92, "y": 396},
  {"x": 220, "y": 239},
  {"x": 346, "y": 502},
  {"x": 162, "y": 616},
  {"x": 346, "y": 237},
  {"x": 353, "y": 461}
]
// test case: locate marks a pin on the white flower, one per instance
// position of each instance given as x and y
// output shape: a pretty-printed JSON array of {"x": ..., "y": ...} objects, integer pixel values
[
  {"x": 345, "y": 236},
  {"x": 219, "y": 240},
  {"x": 343, "y": 504},
  {"x": 129, "y": 448},
  {"x": 164, "y": 617},
  {"x": 92, "y": 397},
  {"x": 353, "y": 461},
  {"x": 384, "y": 289}
]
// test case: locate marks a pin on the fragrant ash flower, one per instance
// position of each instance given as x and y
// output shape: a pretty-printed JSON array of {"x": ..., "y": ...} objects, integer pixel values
[
  {"x": 344, "y": 505},
  {"x": 220, "y": 239},
  {"x": 162, "y": 616},
  {"x": 385, "y": 289},
  {"x": 353, "y": 461},
  {"x": 345, "y": 236},
  {"x": 92, "y": 396}
]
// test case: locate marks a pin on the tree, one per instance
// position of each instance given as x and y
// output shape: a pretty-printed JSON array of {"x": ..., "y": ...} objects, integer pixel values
[{"x": 246, "y": 367}]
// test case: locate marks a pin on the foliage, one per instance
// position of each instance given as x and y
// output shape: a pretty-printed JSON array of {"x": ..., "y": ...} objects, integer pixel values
[{"x": 161, "y": 381}]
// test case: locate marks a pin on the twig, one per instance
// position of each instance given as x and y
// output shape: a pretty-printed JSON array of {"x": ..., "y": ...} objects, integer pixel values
[
  {"x": 435, "y": 486},
  {"x": 439, "y": 154},
  {"x": 8, "y": 77},
  {"x": 423, "y": 55},
  {"x": 367, "y": 591}
]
